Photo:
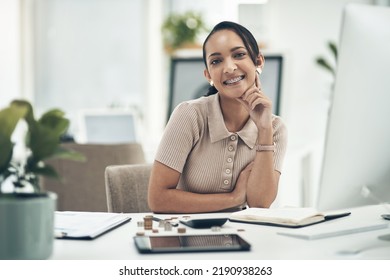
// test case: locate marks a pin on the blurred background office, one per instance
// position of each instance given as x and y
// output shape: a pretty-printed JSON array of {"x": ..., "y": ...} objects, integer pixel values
[{"x": 104, "y": 58}]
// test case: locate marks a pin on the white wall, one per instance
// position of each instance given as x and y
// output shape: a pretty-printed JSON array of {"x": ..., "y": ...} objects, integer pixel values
[
  {"x": 302, "y": 28},
  {"x": 9, "y": 51},
  {"x": 155, "y": 80}
]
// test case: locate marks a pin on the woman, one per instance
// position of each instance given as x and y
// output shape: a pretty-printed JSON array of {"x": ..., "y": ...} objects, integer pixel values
[{"x": 224, "y": 151}]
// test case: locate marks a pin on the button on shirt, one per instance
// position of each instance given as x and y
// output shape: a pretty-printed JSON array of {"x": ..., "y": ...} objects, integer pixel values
[{"x": 197, "y": 144}]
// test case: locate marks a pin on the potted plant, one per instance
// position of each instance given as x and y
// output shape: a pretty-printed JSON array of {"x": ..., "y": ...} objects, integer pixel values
[
  {"x": 27, "y": 211},
  {"x": 182, "y": 30}
]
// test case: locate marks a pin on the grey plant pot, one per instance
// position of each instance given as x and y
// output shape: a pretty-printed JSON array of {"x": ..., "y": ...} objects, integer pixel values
[{"x": 27, "y": 226}]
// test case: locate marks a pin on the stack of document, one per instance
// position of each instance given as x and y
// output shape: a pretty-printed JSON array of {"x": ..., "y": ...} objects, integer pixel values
[{"x": 86, "y": 225}]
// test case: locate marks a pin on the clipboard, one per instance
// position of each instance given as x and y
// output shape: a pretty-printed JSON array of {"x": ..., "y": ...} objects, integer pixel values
[{"x": 86, "y": 225}]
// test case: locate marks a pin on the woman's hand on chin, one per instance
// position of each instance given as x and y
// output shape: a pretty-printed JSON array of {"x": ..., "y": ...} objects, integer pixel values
[{"x": 258, "y": 105}]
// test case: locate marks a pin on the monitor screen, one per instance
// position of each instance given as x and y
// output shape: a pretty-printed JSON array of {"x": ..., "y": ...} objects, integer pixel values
[
  {"x": 356, "y": 156},
  {"x": 188, "y": 82},
  {"x": 107, "y": 126}
]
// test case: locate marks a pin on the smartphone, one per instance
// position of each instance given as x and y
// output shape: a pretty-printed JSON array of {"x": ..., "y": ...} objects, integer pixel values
[
  {"x": 203, "y": 223},
  {"x": 190, "y": 243}
]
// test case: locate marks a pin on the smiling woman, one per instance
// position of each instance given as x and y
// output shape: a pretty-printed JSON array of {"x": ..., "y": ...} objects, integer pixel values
[{"x": 223, "y": 151}]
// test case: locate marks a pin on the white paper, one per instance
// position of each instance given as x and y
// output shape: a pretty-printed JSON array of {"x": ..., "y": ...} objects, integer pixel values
[{"x": 86, "y": 224}]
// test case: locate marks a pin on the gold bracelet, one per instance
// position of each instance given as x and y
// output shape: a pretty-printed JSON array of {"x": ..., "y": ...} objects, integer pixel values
[{"x": 265, "y": 148}]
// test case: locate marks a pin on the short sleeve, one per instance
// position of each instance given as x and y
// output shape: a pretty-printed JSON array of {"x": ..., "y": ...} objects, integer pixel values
[{"x": 179, "y": 137}]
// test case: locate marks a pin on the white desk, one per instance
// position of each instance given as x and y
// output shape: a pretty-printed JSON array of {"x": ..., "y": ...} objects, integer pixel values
[{"x": 266, "y": 243}]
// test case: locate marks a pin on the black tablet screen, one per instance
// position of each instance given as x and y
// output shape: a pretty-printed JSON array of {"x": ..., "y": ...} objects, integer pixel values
[{"x": 191, "y": 243}]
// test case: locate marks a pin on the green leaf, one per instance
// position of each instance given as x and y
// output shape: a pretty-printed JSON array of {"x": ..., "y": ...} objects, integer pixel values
[
  {"x": 29, "y": 115},
  {"x": 333, "y": 48},
  {"x": 45, "y": 170},
  {"x": 44, "y": 135},
  {"x": 42, "y": 142},
  {"x": 55, "y": 120},
  {"x": 9, "y": 118},
  {"x": 5, "y": 153},
  {"x": 323, "y": 63}
]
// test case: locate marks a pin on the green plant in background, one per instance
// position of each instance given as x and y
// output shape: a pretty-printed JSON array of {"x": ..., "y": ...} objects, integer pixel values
[
  {"x": 42, "y": 141},
  {"x": 325, "y": 64},
  {"x": 182, "y": 29}
]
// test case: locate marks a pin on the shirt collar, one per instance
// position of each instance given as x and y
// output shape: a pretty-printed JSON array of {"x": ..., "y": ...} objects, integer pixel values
[{"x": 218, "y": 130}]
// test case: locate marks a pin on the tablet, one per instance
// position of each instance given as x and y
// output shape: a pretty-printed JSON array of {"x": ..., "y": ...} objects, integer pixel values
[{"x": 190, "y": 243}]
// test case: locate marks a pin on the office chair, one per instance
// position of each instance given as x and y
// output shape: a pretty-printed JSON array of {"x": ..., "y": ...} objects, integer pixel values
[
  {"x": 82, "y": 187},
  {"x": 127, "y": 188}
]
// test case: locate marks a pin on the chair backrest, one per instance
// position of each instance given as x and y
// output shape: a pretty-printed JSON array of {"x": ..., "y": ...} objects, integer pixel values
[
  {"x": 82, "y": 187},
  {"x": 127, "y": 188}
]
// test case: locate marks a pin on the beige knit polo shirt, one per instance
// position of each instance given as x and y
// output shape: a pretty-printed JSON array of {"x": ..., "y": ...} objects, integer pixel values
[{"x": 197, "y": 144}]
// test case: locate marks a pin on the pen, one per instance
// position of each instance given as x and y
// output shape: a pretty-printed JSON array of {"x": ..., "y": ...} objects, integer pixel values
[{"x": 174, "y": 224}]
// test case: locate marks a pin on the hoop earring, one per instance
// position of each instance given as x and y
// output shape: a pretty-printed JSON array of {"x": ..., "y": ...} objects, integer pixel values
[{"x": 259, "y": 70}]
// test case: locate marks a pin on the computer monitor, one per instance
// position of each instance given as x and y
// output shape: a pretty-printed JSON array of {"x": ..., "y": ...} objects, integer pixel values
[
  {"x": 107, "y": 126},
  {"x": 188, "y": 82},
  {"x": 357, "y": 155}
]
